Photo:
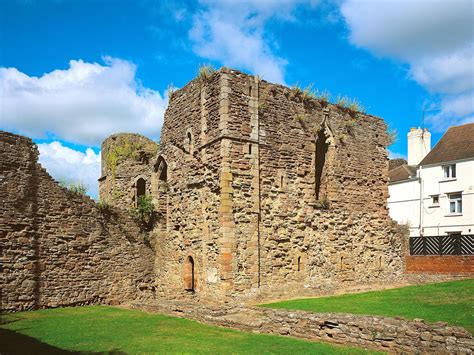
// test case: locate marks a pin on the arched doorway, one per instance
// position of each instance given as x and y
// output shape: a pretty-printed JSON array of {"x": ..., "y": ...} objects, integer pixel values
[{"x": 189, "y": 281}]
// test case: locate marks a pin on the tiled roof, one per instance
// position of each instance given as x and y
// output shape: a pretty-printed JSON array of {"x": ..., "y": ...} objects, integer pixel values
[
  {"x": 402, "y": 172},
  {"x": 457, "y": 143},
  {"x": 393, "y": 163}
]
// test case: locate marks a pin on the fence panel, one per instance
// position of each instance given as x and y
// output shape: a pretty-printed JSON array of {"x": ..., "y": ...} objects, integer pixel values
[{"x": 442, "y": 245}]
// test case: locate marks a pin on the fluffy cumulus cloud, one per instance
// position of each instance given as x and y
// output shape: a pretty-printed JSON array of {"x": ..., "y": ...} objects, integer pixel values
[
  {"x": 436, "y": 39},
  {"x": 233, "y": 33},
  {"x": 71, "y": 166},
  {"x": 82, "y": 104}
]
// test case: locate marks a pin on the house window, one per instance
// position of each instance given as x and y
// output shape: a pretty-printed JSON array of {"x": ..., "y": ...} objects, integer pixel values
[
  {"x": 455, "y": 203},
  {"x": 449, "y": 171},
  {"x": 435, "y": 200}
]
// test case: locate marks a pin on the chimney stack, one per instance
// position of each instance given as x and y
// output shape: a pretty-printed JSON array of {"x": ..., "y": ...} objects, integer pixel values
[{"x": 419, "y": 145}]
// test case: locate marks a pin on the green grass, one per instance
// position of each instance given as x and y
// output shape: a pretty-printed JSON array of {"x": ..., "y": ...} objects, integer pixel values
[
  {"x": 451, "y": 302},
  {"x": 108, "y": 329}
]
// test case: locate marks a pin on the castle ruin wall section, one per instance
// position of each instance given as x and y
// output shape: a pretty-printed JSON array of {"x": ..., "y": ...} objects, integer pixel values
[
  {"x": 58, "y": 247},
  {"x": 187, "y": 198},
  {"x": 244, "y": 204},
  {"x": 300, "y": 240},
  {"x": 126, "y": 163}
]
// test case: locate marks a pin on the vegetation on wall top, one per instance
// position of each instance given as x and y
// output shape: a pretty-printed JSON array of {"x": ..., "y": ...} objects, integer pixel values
[
  {"x": 75, "y": 187},
  {"x": 126, "y": 147},
  {"x": 343, "y": 102},
  {"x": 392, "y": 135},
  {"x": 204, "y": 73}
]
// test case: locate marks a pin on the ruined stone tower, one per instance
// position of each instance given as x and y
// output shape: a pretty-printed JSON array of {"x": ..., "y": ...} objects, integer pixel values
[
  {"x": 126, "y": 168},
  {"x": 258, "y": 187}
]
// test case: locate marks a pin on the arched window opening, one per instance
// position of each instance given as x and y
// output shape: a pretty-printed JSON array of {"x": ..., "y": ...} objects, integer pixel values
[
  {"x": 141, "y": 188},
  {"x": 320, "y": 167},
  {"x": 189, "y": 282},
  {"x": 299, "y": 263},
  {"x": 162, "y": 169},
  {"x": 250, "y": 90}
]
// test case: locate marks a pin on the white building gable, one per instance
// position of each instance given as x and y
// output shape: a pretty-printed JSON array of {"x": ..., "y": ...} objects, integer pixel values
[{"x": 436, "y": 197}]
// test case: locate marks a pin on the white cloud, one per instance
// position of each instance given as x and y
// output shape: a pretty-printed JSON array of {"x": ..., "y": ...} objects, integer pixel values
[
  {"x": 436, "y": 38},
  {"x": 232, "y": 32},
  {"x": 69, "y": 165},
  {"x": 82, "y": 104},
  {"x": 409, "y": 29},
  {"x": 395, "y": 155}
]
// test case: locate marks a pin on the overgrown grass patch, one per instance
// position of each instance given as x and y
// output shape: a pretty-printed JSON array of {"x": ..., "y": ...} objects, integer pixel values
[
  {"x": 451, "y": 302},
  {"x": 107, "y": 329}
]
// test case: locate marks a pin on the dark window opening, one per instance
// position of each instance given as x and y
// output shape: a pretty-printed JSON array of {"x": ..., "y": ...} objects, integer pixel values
[
  {"x": 189, "y": 274},
  {"x": 320, "y": 173},
  {"x": 250, "y": 148},
  {"x": 299, "y": 263},
  {"x": 161, "y": 168},
  {"x": 190, "y": 141},
  {"x": 141, "y": 188},
  {"x": 250, "y": 91}
]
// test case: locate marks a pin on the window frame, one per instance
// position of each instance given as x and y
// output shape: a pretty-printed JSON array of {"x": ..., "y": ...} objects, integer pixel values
[
  {"x": 455, "y": 201},
  {"x": 449, "y": 172}
]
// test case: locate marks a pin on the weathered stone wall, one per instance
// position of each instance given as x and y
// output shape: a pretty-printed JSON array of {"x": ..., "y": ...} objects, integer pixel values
[
  {"x": 126, "y": 158},
  {"x": 393, "y": 335},
  {"x": 249, "y": 198},
  {"x": 187, "y": 196},
  {"x": 272, "y": 156},
  {"x": 59, "y": 248}
]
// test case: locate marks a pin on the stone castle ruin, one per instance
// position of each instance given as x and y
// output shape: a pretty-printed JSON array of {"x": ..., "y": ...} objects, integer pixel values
[{"x": 257, "y": 189}]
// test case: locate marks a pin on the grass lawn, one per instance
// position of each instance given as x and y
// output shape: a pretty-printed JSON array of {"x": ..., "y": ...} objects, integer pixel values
[
  {"x": 451, "y": 302},
  {"x": 108, "y": 329}
]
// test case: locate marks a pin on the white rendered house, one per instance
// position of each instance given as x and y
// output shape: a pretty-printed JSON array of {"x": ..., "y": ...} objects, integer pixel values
[{"x": 434, "y": 192}]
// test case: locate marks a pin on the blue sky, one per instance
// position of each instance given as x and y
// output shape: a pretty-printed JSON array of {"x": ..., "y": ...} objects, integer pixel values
[{"x": 73, "y": 72}]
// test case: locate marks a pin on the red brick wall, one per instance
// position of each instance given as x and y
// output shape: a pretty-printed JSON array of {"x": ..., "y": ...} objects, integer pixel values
[{"x": 440, "y": 264}]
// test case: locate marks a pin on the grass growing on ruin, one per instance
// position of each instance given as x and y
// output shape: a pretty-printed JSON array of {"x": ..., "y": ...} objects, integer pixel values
[
  {"x": 107, "y": 329},
  {"x": 450, "y": 302}
]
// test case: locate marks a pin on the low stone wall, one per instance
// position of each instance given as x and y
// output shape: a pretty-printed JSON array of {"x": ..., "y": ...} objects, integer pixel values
[
  {"x": 446, "y": 264},
  {"x": 394, "y": 335},
  {"x": 58, "y": 247}
]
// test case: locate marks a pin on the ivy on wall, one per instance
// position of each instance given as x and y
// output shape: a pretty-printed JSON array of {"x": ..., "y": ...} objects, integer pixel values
[{"x": 128, "y": 148}]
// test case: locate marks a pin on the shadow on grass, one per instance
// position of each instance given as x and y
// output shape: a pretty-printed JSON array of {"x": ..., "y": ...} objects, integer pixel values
[
  {"x": 12, "y": 342},
  {"x": 16, "y": 343}
]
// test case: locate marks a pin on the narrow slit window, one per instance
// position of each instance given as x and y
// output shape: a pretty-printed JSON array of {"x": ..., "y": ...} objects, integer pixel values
[
  {"x": 190, "y": 142},
  {"x": 141, "y": 188},
  {"x": 320, "y": 164}
]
